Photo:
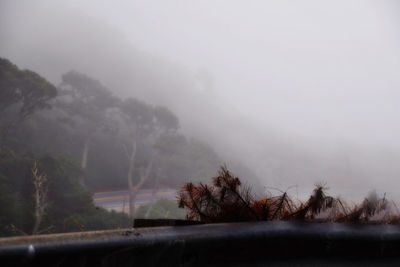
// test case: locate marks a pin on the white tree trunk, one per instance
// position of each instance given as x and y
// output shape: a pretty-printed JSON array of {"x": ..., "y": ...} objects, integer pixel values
[
  {"x": 40, "y": 194},
  {"x": 84, "y": 159},
  {"x": 132, "y": 193},
  {"x": 38, "y": 215},
  {"x": 133, "y": 189}
]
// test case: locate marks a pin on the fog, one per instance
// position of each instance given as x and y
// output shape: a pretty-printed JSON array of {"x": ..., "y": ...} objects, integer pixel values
[{"x": 300, "y": 92}]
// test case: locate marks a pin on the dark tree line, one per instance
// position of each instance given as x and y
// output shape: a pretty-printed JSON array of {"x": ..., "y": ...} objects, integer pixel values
[{"x": 78, "y": 138}]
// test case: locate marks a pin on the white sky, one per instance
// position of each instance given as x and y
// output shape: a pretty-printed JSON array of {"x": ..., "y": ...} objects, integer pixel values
[
  {"x": 311, "y": 68},
  {"x": 311, "y": 72}
]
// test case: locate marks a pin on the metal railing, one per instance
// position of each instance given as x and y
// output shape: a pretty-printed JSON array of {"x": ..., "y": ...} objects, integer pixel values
[{"x": 211, "y": 244}]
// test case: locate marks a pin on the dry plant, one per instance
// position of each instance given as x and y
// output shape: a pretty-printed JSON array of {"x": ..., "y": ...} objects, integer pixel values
[
  {"x": 40, "y": 195},
  {"x": 227, "y": 200}
]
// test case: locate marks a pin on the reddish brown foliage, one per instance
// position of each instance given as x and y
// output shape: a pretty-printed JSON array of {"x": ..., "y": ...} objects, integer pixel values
[{"x": 227, "y": 200}]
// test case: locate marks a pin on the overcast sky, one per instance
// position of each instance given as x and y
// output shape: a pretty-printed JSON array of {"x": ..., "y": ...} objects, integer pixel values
[
  {"x": 315, "y": 68},
  {"x": 310, "y": 72}
]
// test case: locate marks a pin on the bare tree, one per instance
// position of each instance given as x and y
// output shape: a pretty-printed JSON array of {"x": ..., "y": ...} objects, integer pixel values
[
  {"x": 40, "y": 195},
  {"x": 144, "y": 124},
  {"x": 143, "y": 176},
  {"x": 84, "y": 159},
  {"x": 130, "y": 176}
]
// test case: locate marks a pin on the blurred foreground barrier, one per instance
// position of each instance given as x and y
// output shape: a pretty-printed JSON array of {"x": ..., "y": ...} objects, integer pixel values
[
  {"x": 273, "y": 243},
  {"x": 141, "y": 223}
]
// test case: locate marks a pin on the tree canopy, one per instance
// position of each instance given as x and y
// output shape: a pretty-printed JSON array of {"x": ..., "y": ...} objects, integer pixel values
[
  {"x": 24, "y": 88},
  {"x": 89, "y": 141}
]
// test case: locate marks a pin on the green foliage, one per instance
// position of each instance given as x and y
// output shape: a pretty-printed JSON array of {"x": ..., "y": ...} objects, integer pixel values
[
  {"x": 184, "y": 159},
  {"x": 161, "y": 209},
  {"x": 166, "y": 119},
  {"x": 87, "y": 138},
  {"x": 86, "y": 113},
  {"x": 23, "y": 87},
  {"x": 138, "y": 112},
  {"x": 85, "y": 97},
  {"x": 68, "y": 204},
  {"x": 8, "y": 209}
]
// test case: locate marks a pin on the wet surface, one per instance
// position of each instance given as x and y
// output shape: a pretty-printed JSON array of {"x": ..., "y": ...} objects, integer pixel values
[
  {"x": 219, "y": 244},
  {"x": 118, "y": 200}
]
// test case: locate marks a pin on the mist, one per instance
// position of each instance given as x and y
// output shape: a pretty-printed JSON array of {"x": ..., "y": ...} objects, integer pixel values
[{"x": 300, "y": 92}]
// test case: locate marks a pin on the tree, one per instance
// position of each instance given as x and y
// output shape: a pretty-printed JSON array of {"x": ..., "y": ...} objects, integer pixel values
[
  {"x": 183, "y": 159},
  {"x": 23, "y": 87},
  {"x": 143, "y": 124},
  {"x": 87, "y": 101},
  {"x": 166, "y": 119},
  {"x": 60, "y": 202},
  {"x": 9, "y": 212},
  {"x": 140, "y": 121},
  {"x": 40, "y": 195},
  {"x": 23, "y": 91}
]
